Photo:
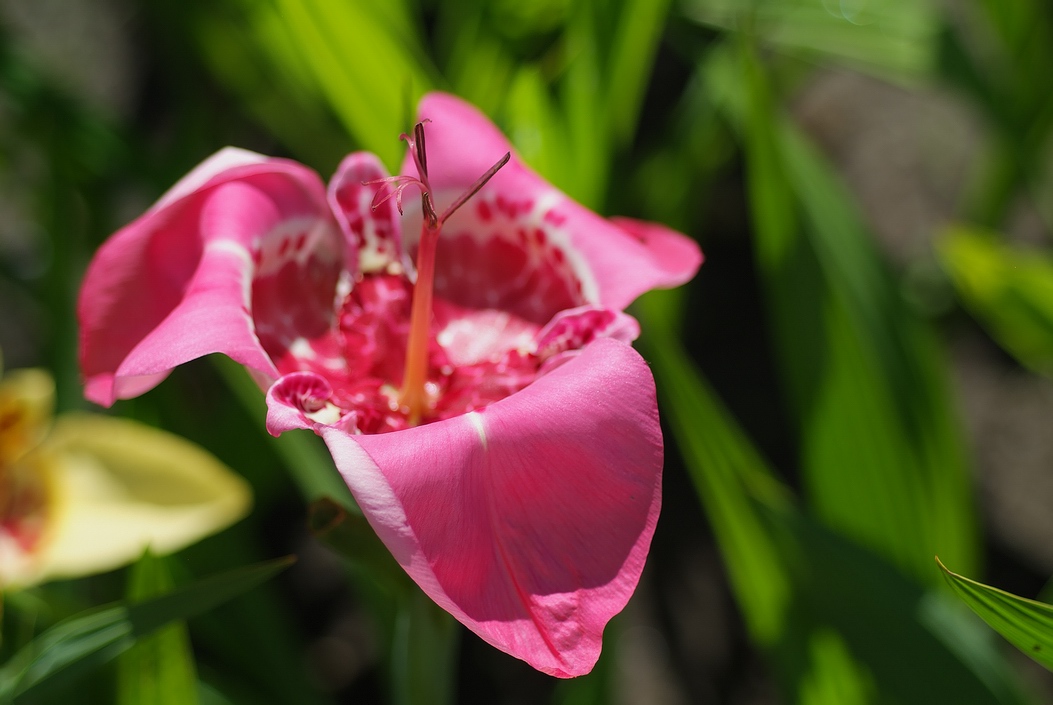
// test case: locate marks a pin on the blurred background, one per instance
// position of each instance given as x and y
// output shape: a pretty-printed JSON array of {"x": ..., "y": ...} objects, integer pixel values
[{"x": 856, "y": 381}]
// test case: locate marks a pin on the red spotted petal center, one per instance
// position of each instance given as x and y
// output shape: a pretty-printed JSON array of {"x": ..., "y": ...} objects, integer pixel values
[{"x": 511, "y": 299}]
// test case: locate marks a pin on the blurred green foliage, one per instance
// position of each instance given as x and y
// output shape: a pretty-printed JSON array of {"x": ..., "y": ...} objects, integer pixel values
[{"x": 677, "y": 112}]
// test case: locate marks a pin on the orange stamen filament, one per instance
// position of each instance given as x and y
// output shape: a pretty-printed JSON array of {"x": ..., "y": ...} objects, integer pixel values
[{"x": 413, "y": 397}]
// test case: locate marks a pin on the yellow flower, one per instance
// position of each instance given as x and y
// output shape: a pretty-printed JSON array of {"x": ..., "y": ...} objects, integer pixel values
[{"x": 89, "y": 493}]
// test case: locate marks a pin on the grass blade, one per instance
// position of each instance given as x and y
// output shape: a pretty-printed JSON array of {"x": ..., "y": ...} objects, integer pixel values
[
  {"x": 93, "y": 638},
  {"x": 1026, "y": 624},
  {"x": 159, "y": 669}
]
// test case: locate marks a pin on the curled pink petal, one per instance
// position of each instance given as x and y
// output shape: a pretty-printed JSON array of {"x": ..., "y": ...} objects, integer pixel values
[
  {"x": 221, "y": 166},
  {"x": 174, "y": 284},
  {"x": 296, "y": 401},
  {"x": 530, "y": 520}
]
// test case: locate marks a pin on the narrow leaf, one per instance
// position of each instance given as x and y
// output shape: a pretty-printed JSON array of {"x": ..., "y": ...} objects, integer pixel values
[
  {"x": 159, "y": 669},
  {"x": 894, "y": 39},
  {"x": 840, "y": 624},
  {"x": 882, "y": 456},
  {"x": 1026, "y": 624},
  {"x": 94, "y": 637},
  {"x": 360, "y": 57}
]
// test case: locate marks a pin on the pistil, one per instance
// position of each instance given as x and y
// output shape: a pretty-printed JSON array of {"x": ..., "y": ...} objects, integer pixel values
[{"x": 413, "y": 397}]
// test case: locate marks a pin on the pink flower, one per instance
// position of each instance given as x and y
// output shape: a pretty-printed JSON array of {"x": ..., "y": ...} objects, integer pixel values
[{"x": 518, "y": 481}]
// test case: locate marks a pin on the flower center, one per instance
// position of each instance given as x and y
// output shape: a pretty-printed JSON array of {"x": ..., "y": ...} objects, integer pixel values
[{"x": 504, "y": 298}]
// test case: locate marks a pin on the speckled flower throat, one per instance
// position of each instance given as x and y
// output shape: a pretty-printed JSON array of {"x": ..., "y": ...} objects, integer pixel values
[{"x": 474, "y": 316}]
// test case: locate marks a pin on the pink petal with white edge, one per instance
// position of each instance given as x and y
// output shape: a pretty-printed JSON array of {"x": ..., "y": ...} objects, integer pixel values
[
  {"x": 372, "y": 234},
  {"x": 218, "y": 165},
  {"x": 462, "y": 144},
  {"x": 530, "y": 520},
  {"x": 175, "y": 284}
]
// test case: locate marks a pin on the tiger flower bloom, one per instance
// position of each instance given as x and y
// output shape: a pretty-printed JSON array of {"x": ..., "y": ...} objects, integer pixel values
[
  {"x": 83, "y": 494},
  {"x": 468, "y": 363}
]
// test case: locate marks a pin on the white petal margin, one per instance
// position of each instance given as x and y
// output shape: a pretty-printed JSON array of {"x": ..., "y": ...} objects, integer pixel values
[{"x": 122, "y": 487}]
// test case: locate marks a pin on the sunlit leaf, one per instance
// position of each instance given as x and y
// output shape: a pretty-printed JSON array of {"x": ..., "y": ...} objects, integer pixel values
[
  {"x": 588, "y": 127},
  {"x": 248, "y": 48},
  {"x": 477, "y": 63},
  {"x": 536, "y": 127},
  {"x": 634, "y": 44},
  {"x": 360, "y": 58},
  {"x": 1009, "y": 289},
  {"x": 1026, "y": 624}
]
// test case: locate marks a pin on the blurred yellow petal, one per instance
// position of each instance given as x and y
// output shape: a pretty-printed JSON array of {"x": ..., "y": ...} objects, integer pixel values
[
  {"x": 121, "y": 486},
  {"x": 27, "y": 398},
  {"x": 27, "y": 517}
]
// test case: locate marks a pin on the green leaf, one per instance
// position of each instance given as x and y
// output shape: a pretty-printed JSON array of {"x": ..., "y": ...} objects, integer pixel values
[
  {"x": 1026, "y": 624},
  {"x": 422, "y": 638},
  {"x": 634, "y": 44},
  {"x": 588, "y": 126},
  {"x": 159, "y": 669},
  {"x": 248, "y": 48},
  {"x": 536, "y": 127},
  {"x": 882, "y": 456},
  {"x": 478, "y": 64},
  {"x": 894, "y": 39},
  {"x": 423, "y": 652},
  {"x": 92, "y": 638},
  {"x": 1009, "y": 289},
  {"x": 727, "y": 472},
  {"x": 841, "y": 625},
  {"x": 363, "y": 58},
  {"x": 351, "y": 536}
]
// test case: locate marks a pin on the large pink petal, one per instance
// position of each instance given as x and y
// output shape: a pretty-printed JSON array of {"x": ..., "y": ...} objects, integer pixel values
[
  {"x": 613, "y": 262},
  {"x": 530, "y": 520},
  {"x": 175, "y": 284}
]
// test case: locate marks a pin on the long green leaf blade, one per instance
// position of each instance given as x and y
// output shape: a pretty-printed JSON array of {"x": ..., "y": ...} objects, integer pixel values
[
  {"x": 364, "y": 63},
  {"x": 841, "y": 625},
  {"x": 1026, "y": 624},
  {"x": 727, "y": 472},
  {"x": 93, "y": 638},
  {"x": 882, "y": 456},
  {"x": 159, "y": 669}
]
